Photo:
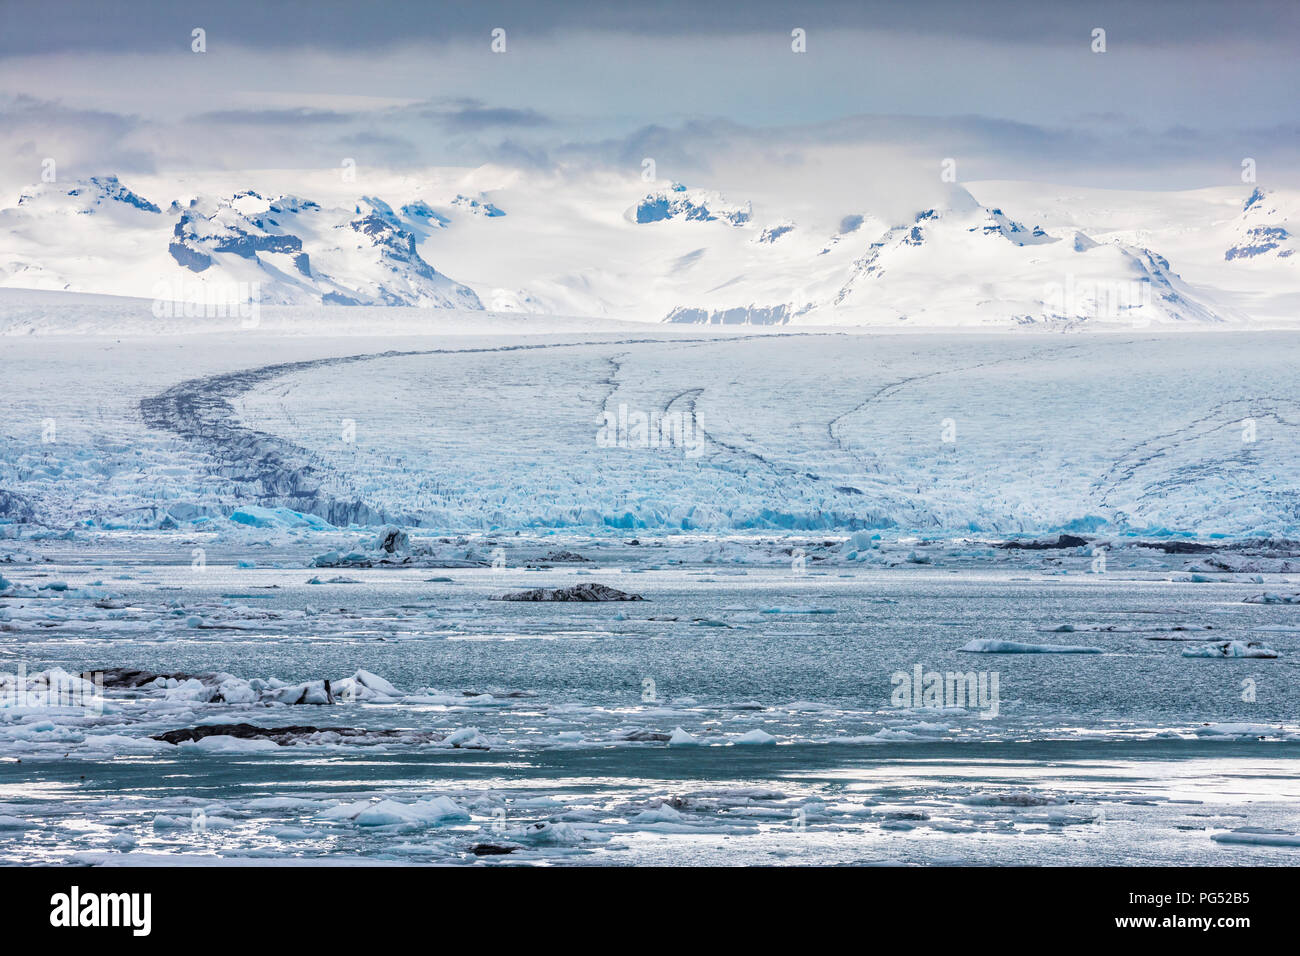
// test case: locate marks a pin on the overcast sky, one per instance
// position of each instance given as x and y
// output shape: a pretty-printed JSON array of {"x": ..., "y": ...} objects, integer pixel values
[{"x": 1184, "y": 91}]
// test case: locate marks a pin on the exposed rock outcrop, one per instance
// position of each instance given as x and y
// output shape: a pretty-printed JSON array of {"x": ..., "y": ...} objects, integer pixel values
[{"x": 578, "y": 592}]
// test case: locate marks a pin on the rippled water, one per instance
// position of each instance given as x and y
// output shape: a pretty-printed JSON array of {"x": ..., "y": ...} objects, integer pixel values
[
  {"x": 704, "y": 634},
  {"x": 1091, "y": 758}
]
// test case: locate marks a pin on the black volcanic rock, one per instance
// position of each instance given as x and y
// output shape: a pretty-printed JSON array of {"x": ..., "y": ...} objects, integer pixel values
[
  {"x": 296, "y": 733},
  {"x": 578, "y": 592},
  {"x": 492, "y": 849},
  {"x": 1063, "y": 541}
]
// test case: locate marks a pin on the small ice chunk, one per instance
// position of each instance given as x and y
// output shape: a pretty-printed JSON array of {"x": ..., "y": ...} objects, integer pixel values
[
  {"x": 376, "y": 683},
  {"x": 423, "y": 812},
  {"x": 1271, "y": 597},
  {"x": 468, "y": 738},
  {"x": 549, "y": 833},
  {"x": 1256, "y": 836},
  {"x": 991, "y": 646},
  {"x": 660, "y": 814},
  {"x": 1226, "y": 649}
]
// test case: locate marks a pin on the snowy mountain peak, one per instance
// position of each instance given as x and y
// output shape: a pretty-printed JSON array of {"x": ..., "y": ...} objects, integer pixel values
[
  {"x": 773, "y": 233},
  {"x": 292, "y": 250},
  {"x": 477, "y": 206},
  {"x": 86, "y": 195},
  {"x": 1261, "y": 230},
  {"x": 421, "y": 213},
  {"x": 210, "y": 227},
  {"x": 412, "y": 281},
  {"x": 998, "y": 222},
  {"x": 983, "y": 264},
  {"x": 690, "y": 205}
]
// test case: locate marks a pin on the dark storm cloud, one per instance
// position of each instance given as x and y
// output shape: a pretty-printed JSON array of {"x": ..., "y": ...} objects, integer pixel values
[
  {"x": 685, "y": 146},
  {"x": 159, "y": 25},
  {"x": 1128, "y": 154},
  {"x": 475, "y": 118},
  {"x": 1009, "y": 90},
  {"x": 1110, "y": 148},
  {"x": 82, "y": 142},
  {"x": 385, "y": 149},
  {"x": 30, "y": 110},
  {"x": 278, "y": 118},
  {"x": 460, "y": 116},
  {"x": 511, "y": 153}
]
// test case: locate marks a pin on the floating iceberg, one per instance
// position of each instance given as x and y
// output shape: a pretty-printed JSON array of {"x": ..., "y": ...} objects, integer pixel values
[
  {"x": 990, "y": 646},
  {"x": 1226, "y": 649}
]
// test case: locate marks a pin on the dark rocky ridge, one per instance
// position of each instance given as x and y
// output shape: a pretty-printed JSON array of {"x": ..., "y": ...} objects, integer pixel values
[
  {"x": 578, "y": 592},
  {"x": 299, "y": 733}
]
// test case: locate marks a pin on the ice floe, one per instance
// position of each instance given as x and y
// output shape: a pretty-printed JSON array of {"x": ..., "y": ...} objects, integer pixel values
[
  {"x": 993, "y": 646},
  {"x": 1227, "y": 649}
]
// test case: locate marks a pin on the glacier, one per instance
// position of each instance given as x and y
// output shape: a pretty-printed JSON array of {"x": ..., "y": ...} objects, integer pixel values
[{"x": 1140, "y": 434}]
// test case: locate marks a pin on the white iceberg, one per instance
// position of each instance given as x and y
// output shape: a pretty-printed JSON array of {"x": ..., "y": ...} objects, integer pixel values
[
  {"x": 1226, "y": 649},
  {"x": 991, "y": 646}
]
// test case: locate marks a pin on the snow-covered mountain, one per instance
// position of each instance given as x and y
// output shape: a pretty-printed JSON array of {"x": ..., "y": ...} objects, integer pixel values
[
  {"x": 961, "y": 263},
  {"x": 1235, "y": 243},
  {"x": 679, "y": 203},
  {"x": 284, "y": 250},
  {"x": 1262, "y": 230},
  {"x": 990, "y": 255},
  {"x": 362, "y": 256},
  {"x": 995, "y": 268}
]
